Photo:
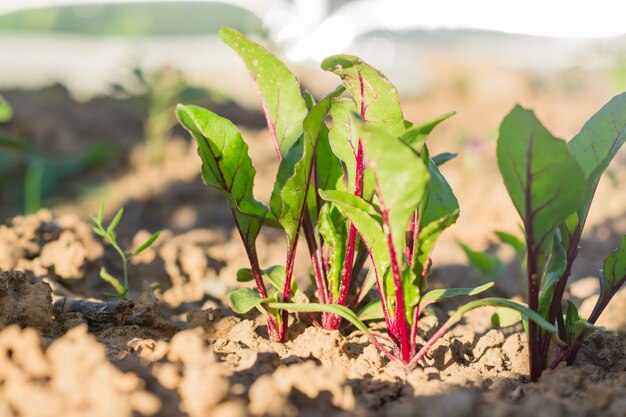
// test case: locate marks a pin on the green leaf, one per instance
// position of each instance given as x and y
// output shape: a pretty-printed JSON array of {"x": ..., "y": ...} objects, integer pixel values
[
  {"x": 18, "y": 145},
  {"x": 400, "y": 190},
  {"x": 115, "y": 221},
  {"x": 100, "y": 218},
  {"x": 513, "y": 305},
  {"x": 278, "y": 88},
  {"x": 368, "y": 222},
  {"x": 290, "y": 189},
  {"x": 99, "y": 231},
  {"x": 147, "y": 243},
  {"x": 510, "y": 239},
  {"x": 335, "y": 237},
  {"x": 294, "y": 174},
  {"x": 576, "y": 326},
  {"x": 328, "y": 171},
  {"x": 553, "y": 271},
  {"x": 445, "y": 294},
  {"x": 371, "y": 311},
  {"x": 444, "y": 157},
  {"x": 375, "y": 97},
  {"x": 274, "y": 274},
  {"x": 441, "y": 211},
  {"x": 113, "y": 281},
  {"x": 488, "y": 265},
  {"x": 596, "y": 145},
  {"x": 226, "y": 166},
  {"x": 410, "y": 292},
  {"x": 505, "y": 317},
  {"x": 571, "y": 317},
  {"x": 336, "y": 309},
  {"x": 614, "y": 273},
  {"x": 245, "y": 275},
  {"x": 416, "y": 135},
  {"x": 344, "y": 142},
  {"x": 244, "y": 300},
  {"x": 542, "y": 178},
  {"x": 6, "y": 112},
  {"x": 442, "y": 202}
]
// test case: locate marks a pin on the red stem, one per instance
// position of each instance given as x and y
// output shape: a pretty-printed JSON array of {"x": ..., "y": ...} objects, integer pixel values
[
  {"x": 410, "y": 249},
  {"x": 291, "y": 256},
  {"x": 400, "y": 322},
  {"x": 272, "y": 325},
  {"x": 256, "y": 271},
  {"x": 352, "y": 233},
  {"x": 380, "y": 347},
  {"x": 429, "y": 344},
  {"x": 316, "y": 262},
  {"x": 534, "y": 345},
  {"x": 348, "y": 263},
  {"x": 534, "y": 342}
]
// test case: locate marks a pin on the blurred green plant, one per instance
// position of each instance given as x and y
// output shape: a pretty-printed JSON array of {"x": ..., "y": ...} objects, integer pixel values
[
  {"x": 35, "y": 176},
  {"x": 160, "y": 91},
  {"x": 109, "y": 235},
  {"x": 6, "y": 112},
  {"x": 489, "y": 265},
  {"x": 133, "y": 19}
]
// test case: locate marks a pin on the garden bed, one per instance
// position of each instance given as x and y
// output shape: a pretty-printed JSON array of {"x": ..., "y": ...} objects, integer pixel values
[{"x": 178, "y": 349}]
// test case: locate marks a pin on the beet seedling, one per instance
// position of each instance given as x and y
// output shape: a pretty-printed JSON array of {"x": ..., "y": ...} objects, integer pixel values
[
  {"x": 109, "y": 235},
  {"x": 363, "y": 186},
  {"x": 410, "y": 209},
  {"x": 552, "y": 184}
]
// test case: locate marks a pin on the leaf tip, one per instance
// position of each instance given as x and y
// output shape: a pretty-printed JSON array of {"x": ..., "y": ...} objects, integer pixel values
[
  {"x": 336, "y": 63},
  {"x": 226, "y": 33}
]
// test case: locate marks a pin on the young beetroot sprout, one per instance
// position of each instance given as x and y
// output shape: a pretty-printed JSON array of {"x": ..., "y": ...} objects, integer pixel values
[
  {"x": 552, "y": 184},
  {"x": 357, "y": 181},
  {"x": 110, "y": 236}
]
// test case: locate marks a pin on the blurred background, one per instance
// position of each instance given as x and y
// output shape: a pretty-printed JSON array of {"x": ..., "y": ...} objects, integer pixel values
[
  {"x": 92, "y": 87},
  {"x": 90, "y": 45}
]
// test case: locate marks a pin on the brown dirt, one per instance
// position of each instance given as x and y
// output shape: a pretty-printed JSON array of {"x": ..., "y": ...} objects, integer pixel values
[
  {"x": 224, "y": 367},
  {"x": 163, "y": 355}
]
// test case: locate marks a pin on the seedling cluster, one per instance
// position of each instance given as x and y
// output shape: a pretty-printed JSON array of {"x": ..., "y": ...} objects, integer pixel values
[{"x": 357, "y": 182}]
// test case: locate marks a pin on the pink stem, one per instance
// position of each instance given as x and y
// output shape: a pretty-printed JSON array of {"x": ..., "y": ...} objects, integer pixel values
[
  {"x": 400, "y": 322},
  {"x": 348, "y": 263},
  {"x": 429, "y": 344},
  {"x": 385, "y": 352},
  {"x": 316, "y": 262},
  {"x": 272, "y": 325},
  {"x": 291, "y": 256}
]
